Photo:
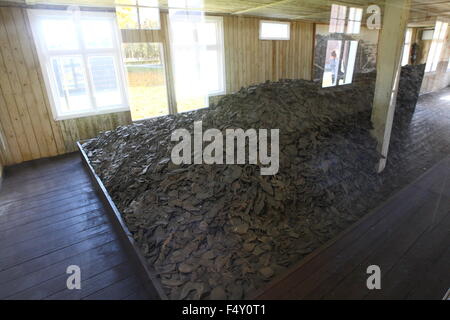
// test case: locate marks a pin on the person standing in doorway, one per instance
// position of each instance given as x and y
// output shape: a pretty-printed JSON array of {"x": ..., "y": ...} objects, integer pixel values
[{"x": 334, "y": 64}]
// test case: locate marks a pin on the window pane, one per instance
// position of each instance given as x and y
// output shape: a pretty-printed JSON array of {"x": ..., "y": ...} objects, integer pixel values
[
  {"x": 97, "y": 34},
  {"x": 406, "y": 52},
  {"x": 182, "y": 33},
  {"x": 212, "y": 72},
  {"x": 148, "y": 3},
  {"x": 149, "y": 18},
  {"x": 275, "y": 30},
  {"x": 352, "y": 14},
  {"x": 126, "y": 2},
  {"x": 71, "y": 86},
  {"x": 350, "y": 26},
  {"x": 127, "y": 17},
  {"x": 334, "y": 11},
  {"x": 353, "y": 27},
  {"x": 340, "y": 26},
  {"x": 408, "y": 36},
  {"x": 146, "y": 80},
  {"x": 333, "y": 26},
  {"x": 357, "y": 27},
  {"x": 190, "y": 84},
  {"x": 437, "y": 56},
  {"x": 437, "y": 30},
  {"x": 443, "y": 31},
  {"x": 427, "y": 35},
  {"x": 59, "y": 34},
  {"x": 431, "y": 54},
  {"x": 104, "y": 79},
  {"x": 358, "y": 14},
  {"x": 348, "y": 61},
  {"x": 342, "y": 12},
  {"x": 355, "y": 14},
  {"x": 208, "y": 33}
]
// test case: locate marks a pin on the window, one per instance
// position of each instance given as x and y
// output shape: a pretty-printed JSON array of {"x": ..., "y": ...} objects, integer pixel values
[
  {"x": 427, "y": 34},
  {"x": 354, "y": 20},
  {"x": 146, "y": 80},
  {"x": 340, "y": 62},
  {"x": 338, "y": 18},
  {"x": 407, "y": 47},
  {"x": 81, "y": 61},
  {"x": 138, "y": 14},
  {"x": 211, "y": 36},
  {"x": 198, "y": 59},
  {"x": 274, "y": 30},
  {"x": 437, "y": 45}
]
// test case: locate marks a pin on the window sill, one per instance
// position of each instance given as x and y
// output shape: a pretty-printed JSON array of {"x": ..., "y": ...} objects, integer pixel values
[{"x": 69, "y": 116}]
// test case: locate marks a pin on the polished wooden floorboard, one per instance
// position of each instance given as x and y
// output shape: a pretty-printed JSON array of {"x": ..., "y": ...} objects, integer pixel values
[{"x": 51, "y": 218}]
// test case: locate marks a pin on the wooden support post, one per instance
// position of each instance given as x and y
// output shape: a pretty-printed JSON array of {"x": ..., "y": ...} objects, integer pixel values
[{"x": 390, "y": 48}]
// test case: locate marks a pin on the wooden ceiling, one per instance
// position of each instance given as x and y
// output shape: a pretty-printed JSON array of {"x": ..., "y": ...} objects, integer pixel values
[{"x": 313, "y": 10}]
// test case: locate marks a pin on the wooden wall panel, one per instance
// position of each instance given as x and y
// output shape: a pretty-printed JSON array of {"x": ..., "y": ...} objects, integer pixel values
[
  {"x": 251, "y": 61},
  {"x": 26, "y": 121},
  {"x": 88, "y": 127}
]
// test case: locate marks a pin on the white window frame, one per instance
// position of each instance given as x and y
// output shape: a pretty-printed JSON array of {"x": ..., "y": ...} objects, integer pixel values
[
  {"x": 353, "y": 24},
  {"x": 220, "y": 49},
  {"x": 407, "y": 47},
  {"x": 45, "y": 57},
  {"x": 138, "y": 6},
  {"x": 333, "y": 27},
  {"x": 262, "y": 37}
]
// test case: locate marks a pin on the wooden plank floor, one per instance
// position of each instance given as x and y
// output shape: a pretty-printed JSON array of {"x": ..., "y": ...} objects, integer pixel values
[
  {"x": 408, "y": 237},
  {"x": 50, "y": 218}
]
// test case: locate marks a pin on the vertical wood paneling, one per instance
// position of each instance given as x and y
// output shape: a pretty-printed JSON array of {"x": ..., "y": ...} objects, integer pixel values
[
  {"x": 12, "y": 93},
  {"x": 26, "y": 121},
  {"x": 250, "y": 60},
  {"x": 37, "y": 80}
]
